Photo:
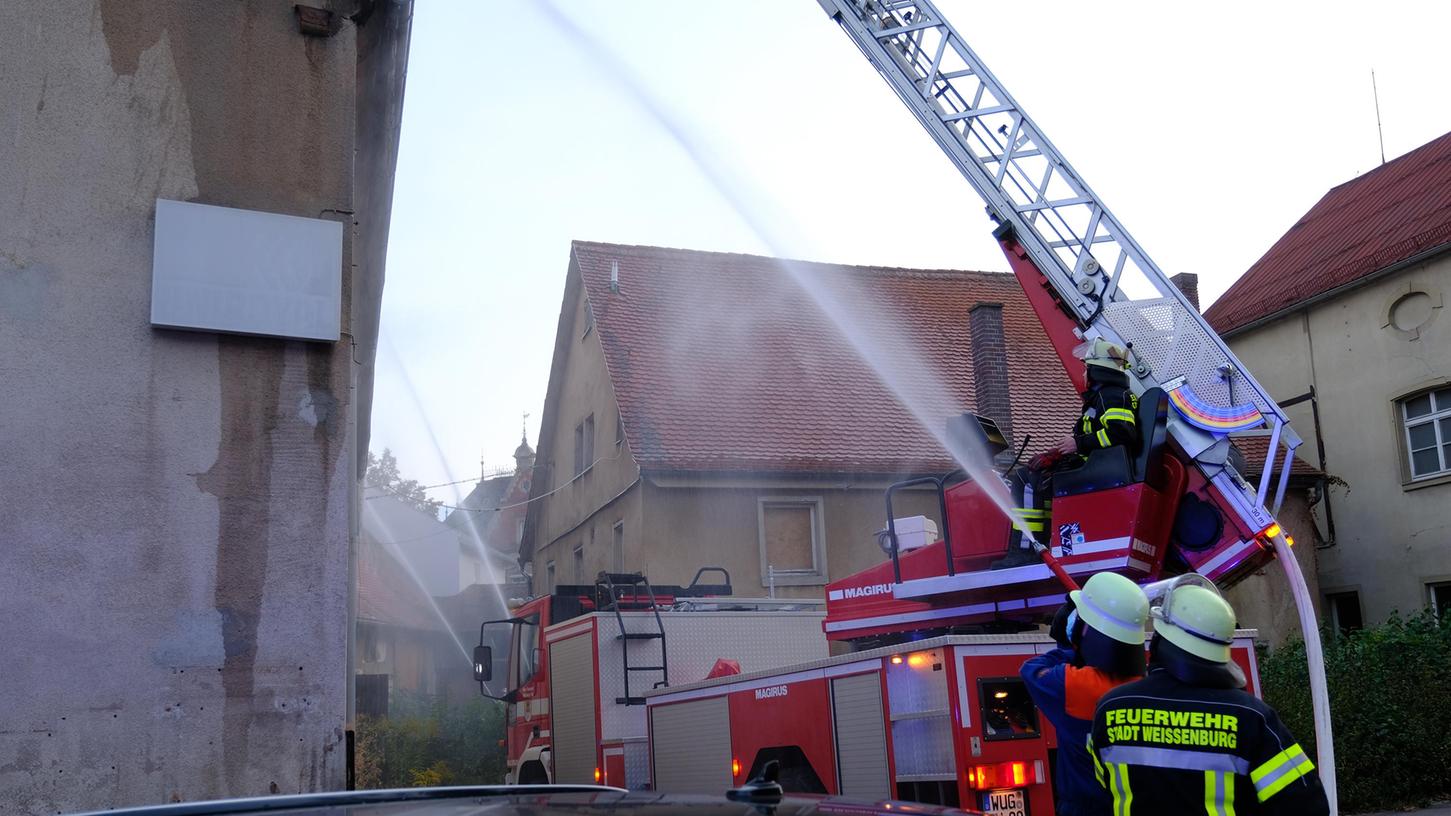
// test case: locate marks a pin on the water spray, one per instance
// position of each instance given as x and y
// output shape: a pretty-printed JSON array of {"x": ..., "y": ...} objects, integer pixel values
[{"x": 900, "y": 371}]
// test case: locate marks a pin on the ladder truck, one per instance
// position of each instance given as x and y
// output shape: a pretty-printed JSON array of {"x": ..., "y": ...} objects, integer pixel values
[
  {"x": 929, "y": 707},
  {"x": 1181, "y": 505},
  {"x": 936, "y": 635}
]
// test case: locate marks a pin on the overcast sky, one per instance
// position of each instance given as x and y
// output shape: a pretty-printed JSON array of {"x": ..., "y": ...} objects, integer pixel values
[{"x": 1207, "y": 132}]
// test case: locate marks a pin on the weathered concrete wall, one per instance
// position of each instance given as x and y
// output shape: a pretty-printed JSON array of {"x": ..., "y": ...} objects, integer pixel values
[
  {"x": 1390, "y": 535},
  {"x": 174, "y": 537}
]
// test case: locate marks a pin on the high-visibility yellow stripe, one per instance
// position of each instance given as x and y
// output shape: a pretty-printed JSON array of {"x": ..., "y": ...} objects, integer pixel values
[
  {"x": 1299, "y": 766},
  {"x": 1274, "y": 762},
  {"x": 1115, "y": 790},
  {"x": 1219, "y": 793},
  {"x": 1121, "y": 414},
  {"x": 1127, "y": 789},
  {"x": 1103, "y": 438},
  {"x": 1097, "y": 766}
]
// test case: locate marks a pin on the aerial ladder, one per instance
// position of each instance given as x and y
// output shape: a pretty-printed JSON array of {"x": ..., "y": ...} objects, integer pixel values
[{"x": 1085, "y": 277}]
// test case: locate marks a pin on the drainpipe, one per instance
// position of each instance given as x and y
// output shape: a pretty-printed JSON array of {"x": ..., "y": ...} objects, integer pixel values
[{"x": 1324, "y": 483}]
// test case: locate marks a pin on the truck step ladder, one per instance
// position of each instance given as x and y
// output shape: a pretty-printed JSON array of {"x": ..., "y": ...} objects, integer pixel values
[{"x": 619, "y": 591}]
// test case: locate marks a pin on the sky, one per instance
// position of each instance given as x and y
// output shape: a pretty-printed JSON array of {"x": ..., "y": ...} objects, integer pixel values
[{"x": 1207, "y": 129}]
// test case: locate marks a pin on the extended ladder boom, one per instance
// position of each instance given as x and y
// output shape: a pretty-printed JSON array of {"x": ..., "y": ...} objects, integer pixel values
[{"x": 1095, "y": 266}]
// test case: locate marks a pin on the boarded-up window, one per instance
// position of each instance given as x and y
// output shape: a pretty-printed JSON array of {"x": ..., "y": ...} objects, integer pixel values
[
  {"x": 792, "y": 544},
  {"x": 371, "y": 691},
  {"x": 788, "y": 536}
]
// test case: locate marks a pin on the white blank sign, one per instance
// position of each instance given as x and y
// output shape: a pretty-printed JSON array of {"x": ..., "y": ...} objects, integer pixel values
[{"x": 248, "y": 272}]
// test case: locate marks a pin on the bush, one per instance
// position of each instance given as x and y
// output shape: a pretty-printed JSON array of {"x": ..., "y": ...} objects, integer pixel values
[
  {"x": 427, "y": 742},
  {"x": 1390, "y": 707}
]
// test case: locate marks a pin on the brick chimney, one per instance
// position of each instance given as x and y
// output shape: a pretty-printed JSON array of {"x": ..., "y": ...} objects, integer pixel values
[
  {"x": 990, "y": 365},
  {"x": 1188, "y": 283}
]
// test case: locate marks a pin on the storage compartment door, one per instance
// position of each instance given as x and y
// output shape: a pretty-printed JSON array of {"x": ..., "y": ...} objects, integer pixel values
[
  {"x": 573, "y": 742},
  {"x": 691, "y": 746},
  {"x": 861, "y": 737}
]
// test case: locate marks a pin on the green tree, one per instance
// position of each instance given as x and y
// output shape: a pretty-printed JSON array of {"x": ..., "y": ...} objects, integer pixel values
[{"x": 383, "y": 474}]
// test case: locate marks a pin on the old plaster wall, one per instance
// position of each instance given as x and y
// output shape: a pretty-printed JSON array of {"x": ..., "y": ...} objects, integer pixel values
[{"x": 174, "y": 534}]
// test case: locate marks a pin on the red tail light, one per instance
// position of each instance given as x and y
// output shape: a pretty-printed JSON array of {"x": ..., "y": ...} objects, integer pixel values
[{"x": 998, "y": 775}]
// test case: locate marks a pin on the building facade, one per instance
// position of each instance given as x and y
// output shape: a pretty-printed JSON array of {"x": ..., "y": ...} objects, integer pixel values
[
  {"x": 1346, "y": 312},
  {"x": 175, "y": 583}
]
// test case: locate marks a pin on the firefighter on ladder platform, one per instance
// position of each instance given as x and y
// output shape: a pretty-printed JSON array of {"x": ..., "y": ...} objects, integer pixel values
[
  {"x": 1187, "y": 736},
  {"x": 1109, "y": 418},
  {"x": 1100, "y": 636}
]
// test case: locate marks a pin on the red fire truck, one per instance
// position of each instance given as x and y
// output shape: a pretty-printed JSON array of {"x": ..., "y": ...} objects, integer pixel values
[
  {"x": 945, "y": 720},
  {"x": 581, "y": 659},
  {"x": 953, "y": 722}
]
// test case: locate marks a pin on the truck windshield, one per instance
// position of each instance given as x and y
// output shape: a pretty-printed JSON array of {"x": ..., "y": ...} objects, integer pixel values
[{"x": 524, "y": 647}]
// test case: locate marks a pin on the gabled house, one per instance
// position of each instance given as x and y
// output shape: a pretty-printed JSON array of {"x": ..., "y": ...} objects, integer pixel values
[
  {"x": 703, "y": 411},
  {"x": 1342, "y": 317}
]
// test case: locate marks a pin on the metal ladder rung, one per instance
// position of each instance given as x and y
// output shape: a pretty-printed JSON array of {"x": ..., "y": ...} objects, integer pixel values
[
  {"x": 639, "y": 636},
  {"x": 644, "y": 668}
]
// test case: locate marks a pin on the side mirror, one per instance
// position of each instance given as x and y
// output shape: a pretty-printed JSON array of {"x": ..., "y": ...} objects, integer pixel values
[{"x": 483, "y": 663}]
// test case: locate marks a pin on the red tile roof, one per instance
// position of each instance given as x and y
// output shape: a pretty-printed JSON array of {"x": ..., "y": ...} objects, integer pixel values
[
  {"x": 387, "y": 595},
  {"x": 1395, "y": 212},
  {"x": 722, "y": 362},
  {"x": 1255, "y": 448}
]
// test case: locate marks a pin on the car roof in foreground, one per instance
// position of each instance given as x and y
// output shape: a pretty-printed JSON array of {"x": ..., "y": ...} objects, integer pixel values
[{"x": 533, "y": 800}]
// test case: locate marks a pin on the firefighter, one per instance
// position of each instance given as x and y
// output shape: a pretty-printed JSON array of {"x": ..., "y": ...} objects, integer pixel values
[
  {"x": 1109, "y": 417},
  {"x": 1187, "y": 738},
  {"x": 1100, "y": 636}
]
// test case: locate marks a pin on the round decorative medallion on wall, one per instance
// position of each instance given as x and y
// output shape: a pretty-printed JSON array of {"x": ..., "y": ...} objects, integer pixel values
[
  {"x": 1408, "y": 313},
  {"x": 1411, "y": 311}
]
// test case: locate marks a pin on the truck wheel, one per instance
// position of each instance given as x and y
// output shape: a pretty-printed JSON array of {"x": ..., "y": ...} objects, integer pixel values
[{"x": 533, "y": 773}]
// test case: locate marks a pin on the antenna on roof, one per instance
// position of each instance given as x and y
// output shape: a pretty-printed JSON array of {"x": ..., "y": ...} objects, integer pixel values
[
  {"x": 1378, "y": 132},
  {"x": 614, "y": 276}
]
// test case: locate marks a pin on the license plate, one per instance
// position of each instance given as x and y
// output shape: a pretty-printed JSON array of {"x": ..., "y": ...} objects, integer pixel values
[{"x": 1004, "y": 803}]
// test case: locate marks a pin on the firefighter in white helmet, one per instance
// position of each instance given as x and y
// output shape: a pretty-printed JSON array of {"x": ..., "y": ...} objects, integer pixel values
[
  {"x": 1187, "y": 738},
  {"x": 1100, "y": 635},
  {"x": 1108, "y": 418}
]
